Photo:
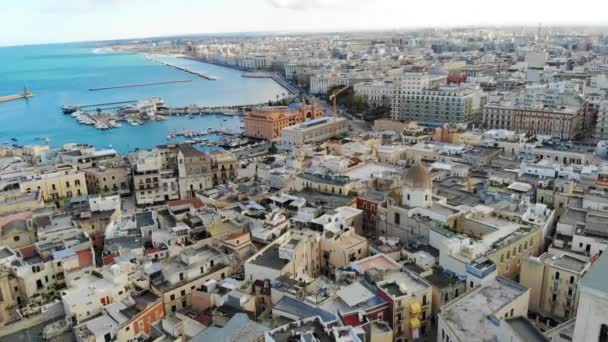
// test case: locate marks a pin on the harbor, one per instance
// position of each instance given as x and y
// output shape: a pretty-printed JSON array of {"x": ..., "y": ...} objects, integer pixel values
[
  {"x": 135, "y": 112},
  {"x": 208, "y": 77},
  {"x": 189, "y": 105}
]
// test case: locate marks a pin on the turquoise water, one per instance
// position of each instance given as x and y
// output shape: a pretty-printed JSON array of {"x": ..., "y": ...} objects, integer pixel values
[{"x": 62, "y": 74}]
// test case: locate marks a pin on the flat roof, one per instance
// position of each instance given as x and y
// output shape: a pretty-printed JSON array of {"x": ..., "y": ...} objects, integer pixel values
[
  {"x": 526, "y": 330},
  {"x": 597, "y": 278},
  {"x": 270, "y": 258},
  {"x": 467, "y": 317}
]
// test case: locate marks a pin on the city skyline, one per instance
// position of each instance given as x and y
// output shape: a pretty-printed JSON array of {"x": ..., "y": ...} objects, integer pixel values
[{"x": 52, "y": 21}]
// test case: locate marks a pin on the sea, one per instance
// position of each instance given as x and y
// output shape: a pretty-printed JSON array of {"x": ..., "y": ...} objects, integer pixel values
[{"x": 62, "y": 74}]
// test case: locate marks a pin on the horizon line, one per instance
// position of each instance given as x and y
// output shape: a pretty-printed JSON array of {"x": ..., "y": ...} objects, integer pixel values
[{"x": 312, "y": 32}]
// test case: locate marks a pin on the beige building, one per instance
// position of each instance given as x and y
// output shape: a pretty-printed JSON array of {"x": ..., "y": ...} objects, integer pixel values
[
  {"x": 305, "y": 254},
  {"x": 340, "y": 185},
  {"x": 311, "y": 132},
  {"x": 152, "y": 182},
  {"x": 194, "y": 169},
  {"x": 411, "y": 297},
  {"x": 57, "y": 184},
  {"x": 562, "y": 123},
  {"x": 182, "y": 274},
  {"x": 14, "y": 201},
  {"x": 509, "y": 254},
  {"x": 553, "y": 283},
  {"x": 108, "y": 179},
  {"x": 224, "y": 167},
  {"x": 478, "y": 315},
  {"x": 341, "y": 248},
  {"x": 17, "y": 230}
]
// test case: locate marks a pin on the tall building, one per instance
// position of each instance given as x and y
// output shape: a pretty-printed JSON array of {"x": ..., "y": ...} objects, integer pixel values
[
  {"x": 193, "y": 167},
  {"x": 478, "y": 315},
  {"x": 267, "y": 123},
  {"x": 563, "y": 123},
  {"x": 435, "y": 107},
  {"x": 601, "y": 125},
  {"x": 552, "y": 280},
  {"x": 592, "y": 314},
  {"x": 151, "y": 182}
]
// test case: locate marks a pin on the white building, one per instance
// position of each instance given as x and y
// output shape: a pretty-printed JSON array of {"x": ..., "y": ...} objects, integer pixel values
[
  {"x": 320, "y": 84},
  {"x": 152, "y": 184},
  {"x": 313, "y": 131},
  {"x": 592, "y": 313},
  {"x": 478, "y": 315},
  {"x": 88, "y": 294},
  {"x": 375, "y": 93}
]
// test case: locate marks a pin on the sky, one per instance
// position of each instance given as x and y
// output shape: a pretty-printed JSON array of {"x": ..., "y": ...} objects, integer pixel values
[{"x": 50, "y": 21}]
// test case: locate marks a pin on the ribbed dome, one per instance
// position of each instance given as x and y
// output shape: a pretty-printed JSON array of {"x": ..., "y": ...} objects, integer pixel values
[{"x": 417, "y": 177}]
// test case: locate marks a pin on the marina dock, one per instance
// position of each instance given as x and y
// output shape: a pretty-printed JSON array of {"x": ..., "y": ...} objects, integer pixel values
[
  {"x": 25, "y": 95},
  {"x": 138, "y": 85},
  {"x": 196, "y": 73}
]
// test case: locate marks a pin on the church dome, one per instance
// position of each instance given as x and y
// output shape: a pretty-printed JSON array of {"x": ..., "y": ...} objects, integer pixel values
[{"x": 417, "y": 177}]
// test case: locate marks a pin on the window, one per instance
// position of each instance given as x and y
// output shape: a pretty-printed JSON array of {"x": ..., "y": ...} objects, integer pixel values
[
  {"x": 173, "y": 308},
  {"x": 397, "y": 218},
  {"x": 77, "y": 182},
  {"x": 571, "y": 279},
  {"x": 172, "y": 297},
  {"x": 511, "y": 313},
  {"x": 183, "y": 292},
  {"x": 424, "y": 300},
  {"x": 556, "y": 275},
  {"x": 446, "y": 298}
]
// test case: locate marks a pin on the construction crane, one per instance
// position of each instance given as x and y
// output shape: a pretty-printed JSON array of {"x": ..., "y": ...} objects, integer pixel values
[{"x": 333, "y": 96}]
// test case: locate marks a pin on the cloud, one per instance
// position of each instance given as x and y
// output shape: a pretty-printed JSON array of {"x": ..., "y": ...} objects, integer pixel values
[
  {"x": 80, "y": 6},
  {"x": 304, "y": 5}
]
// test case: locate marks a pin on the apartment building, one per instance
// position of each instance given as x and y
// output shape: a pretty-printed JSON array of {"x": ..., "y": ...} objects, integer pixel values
[
  {"x": 108, "y": 179},
  {"x": 224, "y": 167},
  {"x": 592, "y": 313},
  {"x": 376, "y": 93},
  {"x": 56, "y": 184},
  {"x": 311, "y": 132},
  {"x": 436, "y": 107},
  {"x": 89, "y": 293},
  {"x": 479, "y": 314},
  {"x": 563, "y": 123},
  {"x": 339, "y": 185},
  {"x": 411, "y": 299},
  {"x": 322, "y": 83},
  {"x": 181, "y": 274},
  {"x": 601, "y": 125},
  {"x": 194, "y": 171},
  {"x": 151, "y": 181},
  {"x": 267, "y": 123},
  {"x": 553, "y": 282}
]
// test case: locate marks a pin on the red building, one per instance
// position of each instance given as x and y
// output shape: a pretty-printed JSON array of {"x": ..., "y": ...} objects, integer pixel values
[
  {"x": 148, "y": 308},
  {"x": 369, "y": 203},
  {"x": 365, "y": 309}
]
